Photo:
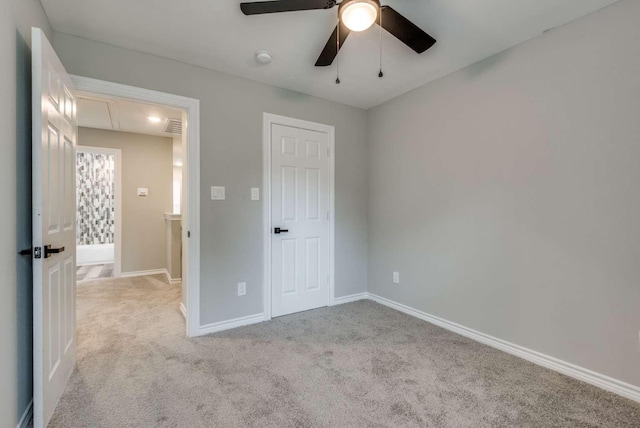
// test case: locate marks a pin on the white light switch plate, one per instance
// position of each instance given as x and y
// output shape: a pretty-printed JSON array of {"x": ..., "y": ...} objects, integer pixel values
[
  {"x": 255, "y": 194},
  {"x": 396, "y": 277},
  {"x": 143, "y": 191},
  {"x": 217, "y": 193}
]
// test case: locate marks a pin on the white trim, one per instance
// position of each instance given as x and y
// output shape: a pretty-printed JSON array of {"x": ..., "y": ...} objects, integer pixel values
[
  {"x": 117, "y": 153},
  {"x": 171, "y": 280},
  {"x": 269, "y": 120},
  {"x": 25, "y": 420},
  {"x": 183, "y": 310},
  {"x": 191, "y": 180},
  {"x": 137, "y": 273},
  {"x": 589, "y": 376},
  {"x": 163, "y": 271},
  {"x": 229, "y": 324},
  {"x": 350, "y": 298}
]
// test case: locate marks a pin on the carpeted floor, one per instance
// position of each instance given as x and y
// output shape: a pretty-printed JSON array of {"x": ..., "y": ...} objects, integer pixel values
[{"x": 354, "y": 365}]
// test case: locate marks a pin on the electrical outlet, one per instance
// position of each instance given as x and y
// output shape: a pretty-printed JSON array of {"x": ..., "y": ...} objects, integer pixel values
[
  {"x": 396, "y": 277},
  {"x": 242, "y": 288}
]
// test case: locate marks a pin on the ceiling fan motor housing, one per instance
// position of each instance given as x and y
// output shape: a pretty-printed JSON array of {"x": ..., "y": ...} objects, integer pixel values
[{"x": 346, "y": 3}]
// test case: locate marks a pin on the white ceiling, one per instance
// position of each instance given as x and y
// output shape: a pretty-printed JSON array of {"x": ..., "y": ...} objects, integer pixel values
[
  {"x": 216, "y": 35},
  {"x": 125, "y": 116}
]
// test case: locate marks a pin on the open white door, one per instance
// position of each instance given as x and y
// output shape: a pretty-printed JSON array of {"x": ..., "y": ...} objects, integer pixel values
[{"x": 54, "y": 234}]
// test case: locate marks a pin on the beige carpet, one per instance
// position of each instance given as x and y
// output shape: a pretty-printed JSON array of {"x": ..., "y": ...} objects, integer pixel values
[{"x": 354, "y": 365}]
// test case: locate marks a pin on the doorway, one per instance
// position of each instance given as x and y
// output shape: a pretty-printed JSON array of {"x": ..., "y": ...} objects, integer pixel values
[
  {"x": 129, "y": 169},
  {"x": 98, "y": 205},
  {"x": 299, "y": 225},
  {"x": 189, "y": 144}
]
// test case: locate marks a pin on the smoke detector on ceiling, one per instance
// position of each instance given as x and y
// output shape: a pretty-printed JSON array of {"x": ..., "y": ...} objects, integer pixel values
[{"x": 263, "y": 57}]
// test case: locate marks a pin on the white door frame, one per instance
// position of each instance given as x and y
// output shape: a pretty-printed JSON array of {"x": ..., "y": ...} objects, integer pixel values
[
  {"x": 191, "y": 180},
  {"x": 268, "y": 121},
  {"x": 117, "y": 154}
]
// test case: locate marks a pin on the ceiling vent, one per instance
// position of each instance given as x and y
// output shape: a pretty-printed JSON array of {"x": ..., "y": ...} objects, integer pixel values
[{"x": 173, "y": 126}]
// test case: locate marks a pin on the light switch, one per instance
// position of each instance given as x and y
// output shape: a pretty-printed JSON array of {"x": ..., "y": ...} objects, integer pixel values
[
  {"x": 255, "y": 193},
  {"x": 217, "y": 193},
  {"x": 143, "y": 191}
]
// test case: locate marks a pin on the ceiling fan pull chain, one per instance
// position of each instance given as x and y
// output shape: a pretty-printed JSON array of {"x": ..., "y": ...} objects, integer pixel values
[
  {"x": 337, "y": 53},
  {"x": 380, "y": 74}
]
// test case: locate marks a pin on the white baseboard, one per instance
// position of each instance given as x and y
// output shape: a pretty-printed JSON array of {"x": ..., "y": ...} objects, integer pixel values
[
  {"x": 143, "y": 273},
  {"x": 229, "y": 324},
  {"x": 25, "y": 420},
  {"x": 350, "y": 298},
  {"x": 183, "y": 310},
  {"x": 602, "y": 381},
  {"x": 164, "y": 272},
  {"x": 171, "y": 280}
]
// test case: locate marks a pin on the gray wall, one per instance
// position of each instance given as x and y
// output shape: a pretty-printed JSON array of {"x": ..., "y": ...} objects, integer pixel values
[
  {"x": 231, "y": 156},
  {"x": 506, "y": 194},
  {"x": 16, "y": 19},
  {"x": 147, "y": 161}
]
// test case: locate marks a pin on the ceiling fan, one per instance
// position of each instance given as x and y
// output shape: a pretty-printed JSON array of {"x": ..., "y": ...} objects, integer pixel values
[{"x": 353, "y": 15}]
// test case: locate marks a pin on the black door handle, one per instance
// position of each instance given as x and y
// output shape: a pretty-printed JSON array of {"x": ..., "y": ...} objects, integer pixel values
[
  {"x": 48, "y": 251},
  {"x": 26, "y": 252},
  {"x": 278, "y": 231}
]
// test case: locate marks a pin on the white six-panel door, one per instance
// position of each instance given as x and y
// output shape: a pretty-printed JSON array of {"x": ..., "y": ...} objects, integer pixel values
[
  {"x": 300, "y": 208},
  {"x": 54, "y": 217}
]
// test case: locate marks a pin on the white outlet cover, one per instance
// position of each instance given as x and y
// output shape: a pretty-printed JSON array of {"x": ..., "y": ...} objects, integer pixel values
[
  {"x": 143, "y": 191},
  {"x": 242, "y": 288},
  {"x": 218, "y": 193},
  {"x": 255, "y": 193}
]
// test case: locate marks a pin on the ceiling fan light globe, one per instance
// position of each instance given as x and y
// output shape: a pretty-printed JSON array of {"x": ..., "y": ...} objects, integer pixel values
[{"x": 359, "y": 15}]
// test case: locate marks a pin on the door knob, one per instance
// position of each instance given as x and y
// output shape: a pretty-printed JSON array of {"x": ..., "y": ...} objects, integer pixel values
[
  {"x": 278, "y": 231},
  {"x": 26, "y": 252},
  {"x": 48, "y": 251}
]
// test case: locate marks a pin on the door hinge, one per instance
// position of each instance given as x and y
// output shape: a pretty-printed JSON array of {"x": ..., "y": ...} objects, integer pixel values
[
  {"x": 328, "y": 217},
  {"x": 188, "y": 234},
  {"x": 328, "y": 155}
]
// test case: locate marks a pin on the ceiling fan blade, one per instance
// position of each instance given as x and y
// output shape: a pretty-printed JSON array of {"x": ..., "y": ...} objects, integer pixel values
[
  {"x": 331, "y": 49},
  {"x": 260, "y": 7},
  {"x": 406, "y": 31}
]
